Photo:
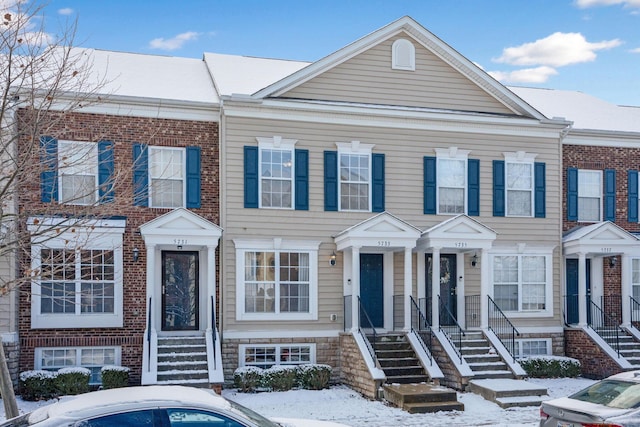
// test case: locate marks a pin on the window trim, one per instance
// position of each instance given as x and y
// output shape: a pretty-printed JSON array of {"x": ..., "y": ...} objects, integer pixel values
[
  {"x": 520, "y": 157},
  {"x": 519, "y": 343},
  {"x": 600, "y": 195},
  {"x": 242, "y": 352},
  {"x": 81, "y": 145},
  {"x": 276, "y": 245},
  {"x": 277, "y": 143},
  {"x": 523, "y": 250},
  {"x": 37, "y": 356},
  {"x": 453, "y": 153},
  {"x": 355, "y": 148},
  {"x": 88, "y": 234},
  {"x": 151, "y": 149}
]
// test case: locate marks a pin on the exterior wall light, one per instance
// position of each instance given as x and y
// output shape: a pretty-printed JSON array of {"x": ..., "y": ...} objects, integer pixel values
[
  {"x": 474, "y": 260},
  {"x": 136, "y": 254},
  {"x": 332, "y": 259}
]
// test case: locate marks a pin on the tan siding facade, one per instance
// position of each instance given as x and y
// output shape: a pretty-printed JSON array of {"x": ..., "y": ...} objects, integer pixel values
[{"x": 369, "y": 78}]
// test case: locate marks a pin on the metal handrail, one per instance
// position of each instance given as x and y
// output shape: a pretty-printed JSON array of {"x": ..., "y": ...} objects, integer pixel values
[
  {"x": 605, "y": 326},
  {"x": 421, "y": 327},
  {"x": 213, "y": 327},
  {"x": 149, "y": 334},
  {"x": 372, "y": 346},
  {"x": 502, "y": 326},
  {"x": 452, "y": 322},
  {"x": 635, "y": 311}
]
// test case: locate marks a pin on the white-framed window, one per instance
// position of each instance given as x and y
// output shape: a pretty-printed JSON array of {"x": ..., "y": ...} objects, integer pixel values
[
  {"x": 403, "y": 55},
  {"x": 92, "y": 358},
  {"x": 452, "y": 180},
  {"x": 589, "y": 195},
  {"x": 268, "y": 355},
  {"x": 78, "y": 172},
  {"x": 167, "y": 171},
  {"x": 276, "y": 279},
  {"x": 354, "y": 173},
  {"x": 522, "y": 283},
  {"x": 532, "y": 347},
  {"x": 519, "y": 183},
  {"x": 276, "y": 172},
  {"x": 635, "y": 279},
  {"x": 77, "y": 273}
]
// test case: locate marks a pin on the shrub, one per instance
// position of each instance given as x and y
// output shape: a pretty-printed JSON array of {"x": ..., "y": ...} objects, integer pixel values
[
  {"x": 73, "y": 380},
  {"x": 37, "y": 385},
  {"x": 551, "y": 367},
  {"x": 114, "y": 376},
  {"x": 280, "y": 377},
  {"x": 314, "y": 377},
  {"x": 247, "y": 378}
]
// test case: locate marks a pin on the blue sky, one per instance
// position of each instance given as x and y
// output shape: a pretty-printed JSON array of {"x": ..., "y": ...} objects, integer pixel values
[{"x": 592, "y": 46}]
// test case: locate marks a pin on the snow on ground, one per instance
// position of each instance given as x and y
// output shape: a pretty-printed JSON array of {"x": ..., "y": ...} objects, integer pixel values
[{"x": 341, "y": 404}]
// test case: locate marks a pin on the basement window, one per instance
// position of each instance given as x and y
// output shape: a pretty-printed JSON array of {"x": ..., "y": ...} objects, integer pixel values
[{"x": 266, "y": 356}]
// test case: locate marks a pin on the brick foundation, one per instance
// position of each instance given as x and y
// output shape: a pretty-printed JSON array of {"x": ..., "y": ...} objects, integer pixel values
[
  {"x": 354, "y": 372},
  {"x": 595, "y": 363}
]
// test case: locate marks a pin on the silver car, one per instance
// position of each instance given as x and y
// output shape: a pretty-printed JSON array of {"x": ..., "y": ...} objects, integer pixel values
[
  {"x": 612, "y": 402},
  {"x": 152, "y": 406}
]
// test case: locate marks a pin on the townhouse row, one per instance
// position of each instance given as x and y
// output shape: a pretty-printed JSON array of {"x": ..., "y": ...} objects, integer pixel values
[{"x": 276, "y": 212}]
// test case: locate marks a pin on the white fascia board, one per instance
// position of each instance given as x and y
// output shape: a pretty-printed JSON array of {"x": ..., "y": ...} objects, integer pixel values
[
  {"x": 273, "y": 333},
  {"x": 603, "y": 139},
  {"x": 395, "y": 118}
]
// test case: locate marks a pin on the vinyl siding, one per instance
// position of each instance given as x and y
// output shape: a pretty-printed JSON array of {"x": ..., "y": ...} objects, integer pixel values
[
  {"x": 8, "y": 314},
  {"x": 404, "y": 151},
  {"x": 368, "y": 78}
]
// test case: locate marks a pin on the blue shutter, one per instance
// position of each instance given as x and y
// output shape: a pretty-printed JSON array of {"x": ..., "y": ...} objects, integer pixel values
[
  {"x": 251, "y": 177},
  {"x": 140, "y": 175},
  {"x": 302, "y": 180},
  {"x": 499, "y": 195},
  {"x": 105, "y": 171},
  {"x": 572, "y": 194},
  {"x": 610, "y": 195},
  {"x": 193, "y": 177},
  {"x": 632, "y": 185},
  {"x": 49, "y": 174},
  {"x": 330, "y": 180},
  {"x": 430, "y": 178},
  {"x": 540, "y": 184},
  {"x": 377, "y": 161},
  {"x": 473, "y": 187}
]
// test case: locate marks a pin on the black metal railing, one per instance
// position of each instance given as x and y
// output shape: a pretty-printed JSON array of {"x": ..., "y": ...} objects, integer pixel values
[
  {"x": 149, "y": 336},
  {"x": 612, "y": 305},
  {"x": 365, "y": 321},
  {"x": 398, "y": 312},
  {"x": 472, "y": 311},
  {"x": 213, "y": 326},
  {"x": 635, "y": 312},
  {"x": 502, "y": 327},
  {"x": 421, "y": 327},
  {"x": 450, "y": 327},
  {"x": 605, "y": 325},
  {"x": 347, "y": 322}
]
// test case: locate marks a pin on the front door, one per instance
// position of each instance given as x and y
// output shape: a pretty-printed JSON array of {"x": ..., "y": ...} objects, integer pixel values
[
  {"x": 573, "y": 291},
  {"x": 448, "y": 298},
  {"x": 180, "y": 306},
  {"x": 372, "y": 289}
]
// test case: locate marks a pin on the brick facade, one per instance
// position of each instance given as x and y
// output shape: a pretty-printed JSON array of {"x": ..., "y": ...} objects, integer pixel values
[
  {"x": 594, "y": 362},
  {"x": 123, "y": 132}
]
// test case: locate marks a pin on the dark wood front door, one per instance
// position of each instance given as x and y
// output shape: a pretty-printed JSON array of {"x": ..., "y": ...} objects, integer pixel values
[{"x": 180, "y": 305}]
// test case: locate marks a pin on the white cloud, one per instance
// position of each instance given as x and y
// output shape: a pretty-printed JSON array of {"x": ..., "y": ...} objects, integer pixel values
[
  {"x": 65, "y": 11},
  {"x": 173, "y": 43},
  {"x": 584, "y": 4},
  {"x": 556, "y": 50},
  {"x": 636, "y": 50},
  {"x": 528, "y": 75}
]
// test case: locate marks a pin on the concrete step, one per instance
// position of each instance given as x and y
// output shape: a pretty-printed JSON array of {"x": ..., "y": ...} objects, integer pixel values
[
  {"x": 407, "y": 379},
  {"x": 493, "y": 374},
  {"x": 509, "y": 393},
  {"x": 488, "y": 366},
  {"x": 398, "y": 361},
  {"x": 422, "y": 398},
  {"x": 399, "y": 371}
]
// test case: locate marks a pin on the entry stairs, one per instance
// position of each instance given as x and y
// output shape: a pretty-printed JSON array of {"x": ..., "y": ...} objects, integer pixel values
[
  {"x": 183, "y": 360},
  {"x": 628, "y": 345}
]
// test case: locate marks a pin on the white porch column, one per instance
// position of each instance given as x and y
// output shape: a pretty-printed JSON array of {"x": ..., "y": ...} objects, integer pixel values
[
  {"x": 485, "y": 289},
  {"x": 625, "y": 287},
  {"x": 582, "y": 289},
  {"x": 355, "y": 288},
  {"x": 152, "y": 294},
  {"x": 435, "y": 288},
  {"x": 408, "y": 288},
  {"x": 211, "y": 286}
]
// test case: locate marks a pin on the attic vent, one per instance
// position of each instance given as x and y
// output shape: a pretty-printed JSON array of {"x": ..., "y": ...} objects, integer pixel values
[{"x": 403, "y": 55}]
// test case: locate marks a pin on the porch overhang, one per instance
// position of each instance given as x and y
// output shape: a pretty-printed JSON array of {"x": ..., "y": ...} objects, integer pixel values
[
  {"x": 600, "y": 239},
  {"x": 460, "y": 232},
  {"x": 383, "y": 231},
  {"x": 181, "y": 227}
]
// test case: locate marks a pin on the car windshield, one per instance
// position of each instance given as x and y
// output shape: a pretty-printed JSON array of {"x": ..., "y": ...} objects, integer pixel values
[
  {"x": 253, "y": 416},
  {"x": 21, "y": 421},
  {"x": 611, "y": 393}
]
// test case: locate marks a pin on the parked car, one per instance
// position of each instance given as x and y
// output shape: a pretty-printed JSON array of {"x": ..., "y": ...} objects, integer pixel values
[
  {"x": 152, "y": 406},
  {"x": 614, "y": 401}
]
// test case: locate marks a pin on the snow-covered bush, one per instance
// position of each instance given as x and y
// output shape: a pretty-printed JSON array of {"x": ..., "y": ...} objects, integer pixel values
[
  {"x": 247, "y": 379},
  {"x": 550, "y": 367},
  {"x": 37, "y": 385},
  {"x": 114, "y": 376},
  {"x": 280, "y": 377},
  {"x": 73, "y": 380},
  {"x": 314, "y": 376}
]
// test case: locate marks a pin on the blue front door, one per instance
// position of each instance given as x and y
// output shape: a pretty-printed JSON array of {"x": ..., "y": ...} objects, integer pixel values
[
  {"x": 573, "y": 291},
  {"x": 371, "y": 289}
]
